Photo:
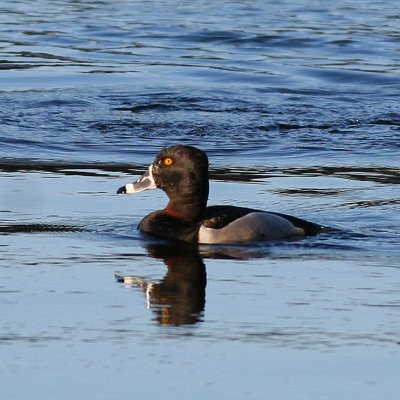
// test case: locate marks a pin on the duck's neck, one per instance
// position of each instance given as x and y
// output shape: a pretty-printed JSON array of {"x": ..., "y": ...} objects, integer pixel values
[
  {"x": 188, "y": 195},
  {"x": 188, "y": 209},
  {"x": 188, "y": 202}
]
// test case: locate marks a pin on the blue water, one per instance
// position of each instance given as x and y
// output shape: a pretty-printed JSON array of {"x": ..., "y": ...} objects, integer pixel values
[{"x": 297, "y": 106}]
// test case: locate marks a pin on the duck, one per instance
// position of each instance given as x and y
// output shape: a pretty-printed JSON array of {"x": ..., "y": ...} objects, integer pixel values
[{"x": 181, "y": 171}]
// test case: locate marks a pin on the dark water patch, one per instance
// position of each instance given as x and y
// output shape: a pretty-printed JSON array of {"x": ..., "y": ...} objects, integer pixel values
[
  {"x": 211, "y": 36},
  {"x": 353, "y": 76},
  {"x": 271, "y": 40},
  {"x": 391, "y": 119},
  {"x": 152, "y": 107},
  {"x": 384, "y": 175},
  {"x": 68, "y": 168},
  {"x": 374, "y": 203},
  {"x": 38, "y": 228},
  {"x": 5, "y": 65},
  {"x": 46, "y": 56},
  {"x": 13, "y": 338},
  {"x": 285, "y": 127},
  {"x": 313, "y": 192},
  {"x": 372, "y": 174},
  {"x": 171, "y": 102},
  {"x": 308, "y": 338},
  {"x": 390, "y": 305},
  {"x": 59, "y": 103}
]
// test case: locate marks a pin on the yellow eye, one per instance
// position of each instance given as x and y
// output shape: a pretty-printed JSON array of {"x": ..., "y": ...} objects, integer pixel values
[{"x": 167, "y": 161}]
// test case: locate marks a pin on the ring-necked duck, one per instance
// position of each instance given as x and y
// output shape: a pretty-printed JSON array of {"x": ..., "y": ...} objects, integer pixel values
[{"x": 182, "y": 173}]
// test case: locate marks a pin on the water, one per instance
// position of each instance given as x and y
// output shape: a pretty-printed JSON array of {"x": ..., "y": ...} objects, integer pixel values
[{"x": 296, "y": 104}]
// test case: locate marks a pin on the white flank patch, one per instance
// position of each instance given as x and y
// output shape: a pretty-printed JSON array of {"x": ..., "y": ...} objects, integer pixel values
[{"x": 252, "y": 227}]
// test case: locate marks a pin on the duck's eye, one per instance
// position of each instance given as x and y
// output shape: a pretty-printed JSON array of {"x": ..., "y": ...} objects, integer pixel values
[{"x": 167, "y": 161}]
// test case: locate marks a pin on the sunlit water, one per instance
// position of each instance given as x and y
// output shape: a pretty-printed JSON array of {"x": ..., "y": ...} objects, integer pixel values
[{"x": 296, "y": 104}]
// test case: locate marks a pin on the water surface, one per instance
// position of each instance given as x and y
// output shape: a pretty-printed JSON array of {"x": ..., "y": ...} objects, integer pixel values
[{"x": 296, "y": 104}]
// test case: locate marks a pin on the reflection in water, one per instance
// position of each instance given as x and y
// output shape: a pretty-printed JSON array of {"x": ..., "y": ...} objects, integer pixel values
[{"x": 179, "y": 298}]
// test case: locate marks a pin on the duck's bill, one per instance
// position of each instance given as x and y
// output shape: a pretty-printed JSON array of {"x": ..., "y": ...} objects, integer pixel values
[{"x": 145, "y": 182}]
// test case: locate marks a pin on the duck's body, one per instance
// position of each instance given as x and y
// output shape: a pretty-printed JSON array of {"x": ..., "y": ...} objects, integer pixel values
[{"x": 182, "y": 172}]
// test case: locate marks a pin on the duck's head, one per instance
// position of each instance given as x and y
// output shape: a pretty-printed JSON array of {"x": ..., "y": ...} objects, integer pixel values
[{"x": 182, "y": 173}]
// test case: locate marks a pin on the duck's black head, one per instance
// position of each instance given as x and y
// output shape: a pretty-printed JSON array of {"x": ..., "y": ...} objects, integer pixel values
[{"x": 182, "y": 172}]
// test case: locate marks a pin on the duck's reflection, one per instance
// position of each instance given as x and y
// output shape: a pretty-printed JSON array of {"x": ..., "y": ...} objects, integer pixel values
[{"x": 179, "y": 298}]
